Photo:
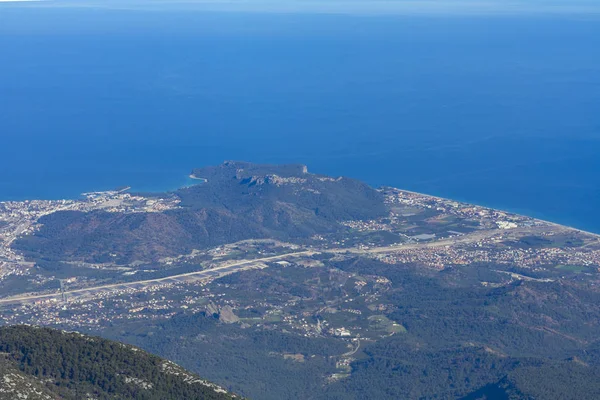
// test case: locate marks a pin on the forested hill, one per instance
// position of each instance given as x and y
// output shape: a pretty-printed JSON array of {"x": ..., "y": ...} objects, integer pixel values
[
  {"x": 238, "y": 201},
  {"x": 42, "y": 363}
]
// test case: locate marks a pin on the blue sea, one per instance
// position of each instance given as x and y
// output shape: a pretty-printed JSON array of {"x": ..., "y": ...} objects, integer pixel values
[{"x": 500, "y": 110}]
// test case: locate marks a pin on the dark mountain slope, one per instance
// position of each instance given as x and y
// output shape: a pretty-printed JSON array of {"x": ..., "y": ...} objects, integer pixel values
[
  {"x": 240, "y": 186},
  {"x": 45, "y": 363},
  {"x": 548, "y": 380},
  {"x": 239, "y": 201}
]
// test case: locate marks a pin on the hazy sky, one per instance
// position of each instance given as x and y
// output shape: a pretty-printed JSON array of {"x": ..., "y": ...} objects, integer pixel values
[{"x": 351, "y": 6}]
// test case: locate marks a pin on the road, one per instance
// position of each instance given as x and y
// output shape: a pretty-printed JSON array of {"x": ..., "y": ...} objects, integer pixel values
[
  {"x": 353, "y": 351},
  {"x": 196, "y": 276},
  {"x": 467, "y": 238},
  {"x": 241, "y": 265}
]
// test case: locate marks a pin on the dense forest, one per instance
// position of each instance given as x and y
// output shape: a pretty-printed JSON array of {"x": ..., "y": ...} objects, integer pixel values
[
  {"x": 521, "y": 341},
  {"x": 56, "y": 364},
  {"x": 243, "y": 360}
]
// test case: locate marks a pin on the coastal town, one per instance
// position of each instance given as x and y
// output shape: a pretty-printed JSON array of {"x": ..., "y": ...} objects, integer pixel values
[
  {"x": 19, "y": 218},
  {"x": 424, "y": 232}
]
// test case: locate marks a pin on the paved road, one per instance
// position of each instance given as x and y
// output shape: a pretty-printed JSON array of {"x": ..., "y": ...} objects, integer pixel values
[
  {"x": 467, "y": 238},
  {"x": 195, "y": 276},
  {"x": 241, "y": 265}
]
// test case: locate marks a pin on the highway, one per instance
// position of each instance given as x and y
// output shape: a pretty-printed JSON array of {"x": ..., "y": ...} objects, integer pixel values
[
  {"x": 216, "y": 272},
  {"x": 241, "y": 265}
]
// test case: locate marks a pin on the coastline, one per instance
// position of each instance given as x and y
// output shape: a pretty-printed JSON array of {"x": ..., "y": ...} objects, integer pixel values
[
  {"x": 556, "y": 224},
  {"x": 204, "y": 180}
]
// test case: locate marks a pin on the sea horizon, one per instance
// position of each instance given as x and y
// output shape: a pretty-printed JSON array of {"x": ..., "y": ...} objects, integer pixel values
[{"x": 498, "y": 111}]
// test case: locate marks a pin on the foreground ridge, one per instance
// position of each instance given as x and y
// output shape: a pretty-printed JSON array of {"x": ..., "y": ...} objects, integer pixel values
[{"x": 43, "y": 363}]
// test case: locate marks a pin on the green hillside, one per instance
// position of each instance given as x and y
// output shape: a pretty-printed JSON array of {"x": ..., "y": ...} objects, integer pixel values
[{"x": 43, "y": 363}]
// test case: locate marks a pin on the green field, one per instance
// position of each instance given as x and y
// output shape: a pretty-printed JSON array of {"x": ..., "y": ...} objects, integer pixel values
[
  {"x": 383, "y": 323},
  {"x": 572, "y": 268}
]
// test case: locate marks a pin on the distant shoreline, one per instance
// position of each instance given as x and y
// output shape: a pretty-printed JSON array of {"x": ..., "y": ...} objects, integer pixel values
[
  {"x": 597, "y": 235},
  {"x": 204, "y": 180}
]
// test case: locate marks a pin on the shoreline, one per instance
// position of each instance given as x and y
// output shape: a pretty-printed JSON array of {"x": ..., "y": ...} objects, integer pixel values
[
  {"x": 204, "y": 180},
  {"x": 556, "y": 224}
]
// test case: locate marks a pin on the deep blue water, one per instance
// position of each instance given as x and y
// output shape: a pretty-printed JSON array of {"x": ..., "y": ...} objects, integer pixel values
[{"x": 500, "y": 111}]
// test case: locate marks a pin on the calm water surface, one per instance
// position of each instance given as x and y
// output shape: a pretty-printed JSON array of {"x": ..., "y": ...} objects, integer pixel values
[{"x": 499, "y": 111}]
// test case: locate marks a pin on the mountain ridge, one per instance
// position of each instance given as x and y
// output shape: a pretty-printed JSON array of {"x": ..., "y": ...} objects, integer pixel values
[
  {"x": 45, "y": 363},
  {"x": 238, "y": 201}
]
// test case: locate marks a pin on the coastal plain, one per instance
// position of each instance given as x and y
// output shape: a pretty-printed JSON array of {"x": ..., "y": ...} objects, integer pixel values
[{"x": 337, "y": 286}]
